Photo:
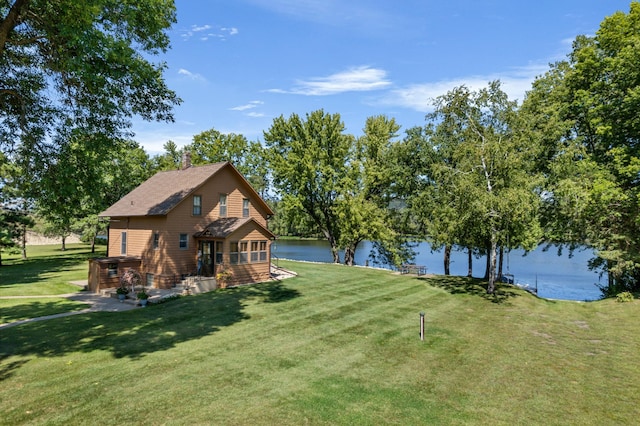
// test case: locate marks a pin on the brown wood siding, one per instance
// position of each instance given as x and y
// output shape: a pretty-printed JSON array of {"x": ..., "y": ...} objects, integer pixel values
[
  {"x": 227, "y": 182},
  {"x": 99, "y": 272}
]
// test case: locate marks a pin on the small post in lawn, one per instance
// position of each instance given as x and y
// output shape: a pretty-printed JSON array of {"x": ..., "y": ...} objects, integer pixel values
[{"x": 421, "y": 325}]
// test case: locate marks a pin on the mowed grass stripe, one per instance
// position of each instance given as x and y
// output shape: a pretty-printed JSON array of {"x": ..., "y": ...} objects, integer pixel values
[{"x": 336, "y": 345}]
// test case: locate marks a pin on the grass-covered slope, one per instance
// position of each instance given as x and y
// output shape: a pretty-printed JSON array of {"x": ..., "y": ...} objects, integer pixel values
[{"x": 336, "y": 345}]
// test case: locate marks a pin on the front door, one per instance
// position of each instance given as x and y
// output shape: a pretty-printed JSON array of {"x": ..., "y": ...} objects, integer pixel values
[{"x": 206, "y": 268}]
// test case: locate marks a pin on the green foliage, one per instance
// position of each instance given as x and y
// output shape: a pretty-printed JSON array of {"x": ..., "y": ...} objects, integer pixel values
[
  {"x": 473, "y": 183},
  {"x": 67, "y": 65},
  {"x": 309, "y": 162},
  {"x": 73, "y": 77},
  {"x": 624, "y": 297},
  {"x": 584, "y": 114},
  {"x": 332, "y": 182}
]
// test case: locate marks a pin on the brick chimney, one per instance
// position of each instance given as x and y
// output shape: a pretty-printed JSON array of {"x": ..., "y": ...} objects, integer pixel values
[{"x": 186, "y": 160}]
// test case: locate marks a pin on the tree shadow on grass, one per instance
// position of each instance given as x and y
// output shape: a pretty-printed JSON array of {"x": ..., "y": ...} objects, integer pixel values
[
  {"x": 133, "y": 334},
  {"x": 472, "y": 286},
  {"x": 31, "y": 271},
  {"x": 9, "y": 369},
  {"x": 38, "y": 308}
]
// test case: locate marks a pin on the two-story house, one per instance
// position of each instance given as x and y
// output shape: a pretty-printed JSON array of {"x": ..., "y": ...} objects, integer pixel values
[{"x": 192, "y": 221}]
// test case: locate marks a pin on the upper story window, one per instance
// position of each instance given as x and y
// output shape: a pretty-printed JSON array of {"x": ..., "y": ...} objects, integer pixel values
[
  {"x": 245, "y": 207},
  {"x": 197, "y": 205},
  {"x": 123, "y": 243},
  {"x": 223, "y": 205},
  {"x": 156, "y": 240}
]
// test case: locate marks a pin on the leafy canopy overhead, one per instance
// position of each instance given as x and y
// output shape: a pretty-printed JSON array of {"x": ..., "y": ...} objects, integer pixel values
[{"x": 68, "y": 65}]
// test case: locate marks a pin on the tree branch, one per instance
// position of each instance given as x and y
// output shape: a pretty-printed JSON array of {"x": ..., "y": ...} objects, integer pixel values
[{"x": 11, "y": 21}]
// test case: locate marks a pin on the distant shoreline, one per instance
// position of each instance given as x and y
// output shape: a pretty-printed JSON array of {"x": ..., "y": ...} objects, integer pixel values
[{"x": 35, "y": 239}]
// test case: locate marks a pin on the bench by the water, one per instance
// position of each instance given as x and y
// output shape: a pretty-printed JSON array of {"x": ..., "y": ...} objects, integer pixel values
[{"x": 413, "y": 269}]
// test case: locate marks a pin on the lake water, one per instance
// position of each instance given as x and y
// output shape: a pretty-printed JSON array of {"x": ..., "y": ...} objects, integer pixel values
[{"x": 556, "y": 277}]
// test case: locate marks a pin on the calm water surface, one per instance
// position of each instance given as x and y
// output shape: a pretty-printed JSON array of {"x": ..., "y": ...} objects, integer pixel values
[{"x": 556, "y": 277}]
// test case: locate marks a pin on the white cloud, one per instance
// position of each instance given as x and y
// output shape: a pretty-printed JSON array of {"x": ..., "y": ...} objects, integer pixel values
[
  {"x": 250, "y": 105},
  {"x": 196, "y": 28},
  {"x": 219, "y": 33},
  {"x": 230, "y": 31},
  {"x": 419, "y": 96},
  {"x": 191, "y": 75},
  {"x": 356, "y": 79},
  {"x": 153, "y": 140}
]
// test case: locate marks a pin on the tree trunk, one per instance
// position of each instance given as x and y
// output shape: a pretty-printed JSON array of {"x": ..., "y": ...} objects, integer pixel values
[
  {"x": 470, "y": 260},
  {"x": 350, "y": 254},
  {"x": 24, "y": 242},
  {"x": 93, "y": 244},
  {"x": 11, "y": 20},
  {"x": 500, "y": 262},
  {"x": 488, "y": 262},
  {"x": 491, "y": 287},
  {"x": 64, "y": 243},
  {"x": 334, "y": 246},
  {"x": 447, "y": 259}
]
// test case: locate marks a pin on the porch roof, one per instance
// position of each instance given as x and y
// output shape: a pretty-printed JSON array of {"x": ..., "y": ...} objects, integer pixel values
[{"x": 225, "y": 226}]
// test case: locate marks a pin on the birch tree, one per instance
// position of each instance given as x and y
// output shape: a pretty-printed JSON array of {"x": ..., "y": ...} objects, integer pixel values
[{"x": 482, "y": 181}]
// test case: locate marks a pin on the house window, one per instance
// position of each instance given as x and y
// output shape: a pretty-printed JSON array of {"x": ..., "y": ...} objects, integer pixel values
[
  {"x": 263, "y": 251},
  {"x": 244, "y": 252},
  {"x": 123, "y": 243},
  {"x": 223, "y": 205},
  {"x": 219, "y": 251},
  {"x": 245, "y": 207},
  {"x": 258, "y": 251},
  {"x": 112, "y": 270},
  {"x": 149, "y": 279},
  {"x": 184, "y": 242},
  {"x": 233, "y": 252},
  {"x": 197, "y": 205},
  {"x": 156, "y": 240}
]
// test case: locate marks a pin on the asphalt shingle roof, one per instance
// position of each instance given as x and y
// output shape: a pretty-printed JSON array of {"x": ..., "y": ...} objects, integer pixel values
[
  {"x": 225, "y": 226},
  {"x": 158, "y": 195}
]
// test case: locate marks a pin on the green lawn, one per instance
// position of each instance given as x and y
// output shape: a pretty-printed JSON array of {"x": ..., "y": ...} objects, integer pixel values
[
  {"x": 18, "y": 309},
  {"x": 336, "y": 345},
  {"x": 47, "y": 271}
]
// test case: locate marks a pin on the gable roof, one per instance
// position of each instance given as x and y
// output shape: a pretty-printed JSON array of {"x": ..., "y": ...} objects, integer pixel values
[
  {"x": 223, "y": 227},
  {"x": 159, "y": 194}
]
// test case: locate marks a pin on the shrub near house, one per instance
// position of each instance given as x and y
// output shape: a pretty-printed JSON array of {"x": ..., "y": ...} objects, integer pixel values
[{"x": 184, "y": 222}]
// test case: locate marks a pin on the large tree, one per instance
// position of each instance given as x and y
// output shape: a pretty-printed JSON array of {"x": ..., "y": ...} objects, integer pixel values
[
  {"x": 477, "y": 188},
  {"x": 364, "y": 209},
  {"x": 309, "y": 161},
  {"x": 69, "y": 67},
  {"x": 590, "y": 103}
]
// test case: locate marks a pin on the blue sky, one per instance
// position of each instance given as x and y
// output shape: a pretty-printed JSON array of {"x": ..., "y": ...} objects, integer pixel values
[{"x": 238, "y": 64}]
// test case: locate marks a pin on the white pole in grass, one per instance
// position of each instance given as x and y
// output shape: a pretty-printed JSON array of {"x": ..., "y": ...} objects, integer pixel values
[{"x": 421, "y": 325}]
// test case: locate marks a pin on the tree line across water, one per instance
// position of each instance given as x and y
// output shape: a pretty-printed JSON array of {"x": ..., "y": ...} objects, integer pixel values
[{"x": 483, "y": 172}]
